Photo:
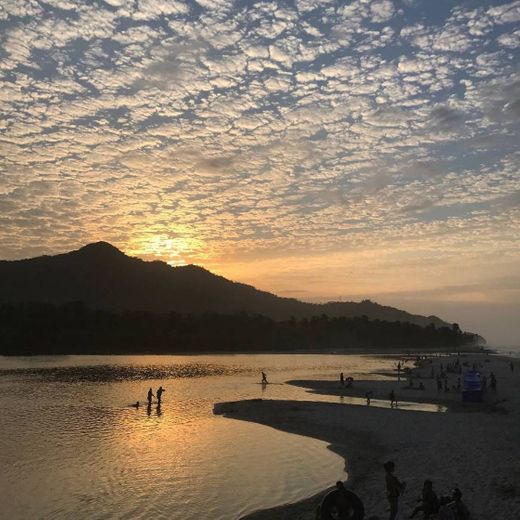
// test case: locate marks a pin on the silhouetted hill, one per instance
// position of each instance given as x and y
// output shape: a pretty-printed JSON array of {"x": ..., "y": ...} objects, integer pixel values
[{"x": 102, "y": 277}]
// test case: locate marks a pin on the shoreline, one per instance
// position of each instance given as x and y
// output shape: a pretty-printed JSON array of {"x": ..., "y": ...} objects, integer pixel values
[
  {"x": 369, "y": 351},
  {"x": 472, "y": 446}
]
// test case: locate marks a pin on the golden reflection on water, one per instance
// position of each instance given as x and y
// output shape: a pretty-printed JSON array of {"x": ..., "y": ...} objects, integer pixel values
[{"x": 79, "y": 450}]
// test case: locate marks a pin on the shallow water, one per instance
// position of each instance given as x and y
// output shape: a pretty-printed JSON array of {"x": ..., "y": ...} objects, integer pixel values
[
  {"x": 72, "y": 447},
  {"x": 506, "y": 350}
]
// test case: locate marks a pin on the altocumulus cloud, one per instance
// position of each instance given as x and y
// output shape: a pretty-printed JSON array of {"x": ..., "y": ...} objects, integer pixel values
[{"x": 237, "y": 129}]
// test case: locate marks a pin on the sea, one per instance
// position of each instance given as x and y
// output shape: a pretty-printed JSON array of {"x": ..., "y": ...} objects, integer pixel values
[{"x": 73, "y": 447}]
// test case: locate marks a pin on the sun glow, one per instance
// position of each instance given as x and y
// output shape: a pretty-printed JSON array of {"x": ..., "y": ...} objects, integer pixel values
[{"x": 174, "y": 250}]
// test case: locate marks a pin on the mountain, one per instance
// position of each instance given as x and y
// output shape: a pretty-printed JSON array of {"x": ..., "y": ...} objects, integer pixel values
[{"x": 103, "y": 277}]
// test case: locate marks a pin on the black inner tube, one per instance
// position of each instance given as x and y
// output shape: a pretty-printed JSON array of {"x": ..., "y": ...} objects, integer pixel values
[{"x": 341, "y": 505}]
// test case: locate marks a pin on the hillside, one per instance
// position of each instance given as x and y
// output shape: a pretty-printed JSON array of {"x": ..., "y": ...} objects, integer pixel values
[{"x": 103, "y": 277}]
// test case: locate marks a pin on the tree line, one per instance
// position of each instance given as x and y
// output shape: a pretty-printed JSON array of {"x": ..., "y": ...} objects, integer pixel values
[{"x": 74, "y": 328}]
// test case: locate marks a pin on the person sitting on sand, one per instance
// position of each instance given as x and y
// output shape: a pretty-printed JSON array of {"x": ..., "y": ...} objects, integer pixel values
[
  {"x": 429, "y": 501},
  {"x": 264, "y": 378},
  {"x": 342, "y": 504},
  {"x": 461, "y": 511},
  {"x": 394, "y": 488},
  {"x": 454, "y": 508}
]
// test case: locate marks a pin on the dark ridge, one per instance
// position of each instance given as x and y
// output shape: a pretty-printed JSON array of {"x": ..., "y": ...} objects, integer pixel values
[{"x": 103, "y": 277}]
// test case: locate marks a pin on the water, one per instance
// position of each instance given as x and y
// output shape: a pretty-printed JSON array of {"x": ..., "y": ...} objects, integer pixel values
[
  {"x": 72, "y": 447},
  {"x": 506, "y": 350}
]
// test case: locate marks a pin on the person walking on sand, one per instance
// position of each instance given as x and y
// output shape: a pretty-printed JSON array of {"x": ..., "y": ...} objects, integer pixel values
[
  {"x": 150, "y": 395},
  {"x": 394, "y": 488},
  {"x": 160, "y": 391},
  {"x": 264, "y": 379}
]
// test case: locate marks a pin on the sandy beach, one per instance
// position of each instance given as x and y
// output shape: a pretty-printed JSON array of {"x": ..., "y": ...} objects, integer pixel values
[{"x": 473, "y": 446}]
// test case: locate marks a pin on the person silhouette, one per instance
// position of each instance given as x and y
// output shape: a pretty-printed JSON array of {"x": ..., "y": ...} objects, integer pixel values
[
  {"x": 394, "y": 488},
  {"x": 429, "y": 501},
  {"x": 393, "y": 399},
  {"x": 149, "y": 397},
  {"x": 159, "y": 393},
  {"x": 264, "y": 378}
]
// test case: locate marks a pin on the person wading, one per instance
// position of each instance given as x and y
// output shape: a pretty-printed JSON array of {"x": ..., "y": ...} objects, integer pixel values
[{"x": 160, "y": 391}]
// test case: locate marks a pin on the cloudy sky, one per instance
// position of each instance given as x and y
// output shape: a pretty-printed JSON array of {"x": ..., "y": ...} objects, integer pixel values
[{"x": 320, "y": 149}]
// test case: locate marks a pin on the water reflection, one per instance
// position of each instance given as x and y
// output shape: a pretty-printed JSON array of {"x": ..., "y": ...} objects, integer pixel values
[{"x": 70, "y": 418}]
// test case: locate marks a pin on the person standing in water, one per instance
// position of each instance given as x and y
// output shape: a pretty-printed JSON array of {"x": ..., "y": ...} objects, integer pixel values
[
  {"x": 394, "y": 488},
  {"x": 149, "y": 397},
  {"x": 264, "y": 378},
  {"x": 160, "y": 391}
]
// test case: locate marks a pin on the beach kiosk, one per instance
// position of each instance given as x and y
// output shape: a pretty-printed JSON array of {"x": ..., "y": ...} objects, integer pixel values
[{"x": 472, "y": 390}]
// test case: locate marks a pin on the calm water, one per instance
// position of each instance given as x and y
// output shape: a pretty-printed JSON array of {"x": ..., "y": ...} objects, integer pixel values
[
  {"x": 509, "y": 350},
  {"x": 71, "y": 447}
]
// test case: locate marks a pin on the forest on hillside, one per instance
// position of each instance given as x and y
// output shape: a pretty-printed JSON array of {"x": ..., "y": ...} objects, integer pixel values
[{"x": 30, "y": 329}]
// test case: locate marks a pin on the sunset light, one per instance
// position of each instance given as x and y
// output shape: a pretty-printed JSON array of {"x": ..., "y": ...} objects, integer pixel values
[{"x": 260, "y": 259}]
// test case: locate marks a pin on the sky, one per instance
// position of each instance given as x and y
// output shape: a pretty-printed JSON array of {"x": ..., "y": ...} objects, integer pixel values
[{"x": 317, "y": 149}]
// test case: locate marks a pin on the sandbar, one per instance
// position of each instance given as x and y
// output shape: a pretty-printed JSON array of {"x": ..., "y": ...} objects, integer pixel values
[{"x": 473, "y": 446}]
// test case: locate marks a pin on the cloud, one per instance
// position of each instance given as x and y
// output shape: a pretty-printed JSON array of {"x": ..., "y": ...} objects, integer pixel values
[
  {"x": 506, "y": 13},
  {"x": 248, "y": 131},
  {"x": 445, "y": 118},
  {"x": 511, "y": 40},
  {"x": 382, "y": 10}
]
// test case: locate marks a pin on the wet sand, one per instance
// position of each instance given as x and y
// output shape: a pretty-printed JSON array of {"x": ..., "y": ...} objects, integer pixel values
[{"x": 473, "y": 446}]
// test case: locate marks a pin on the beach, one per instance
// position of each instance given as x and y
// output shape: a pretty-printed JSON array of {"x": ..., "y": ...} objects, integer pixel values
[{"x": 472, "y": 446}]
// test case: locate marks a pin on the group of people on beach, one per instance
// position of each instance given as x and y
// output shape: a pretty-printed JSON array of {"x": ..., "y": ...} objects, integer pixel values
[
  {"x": 343, "y": 504},
  {"x": 441, "y": 377},
  {"x": 445, "y": 508}
]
